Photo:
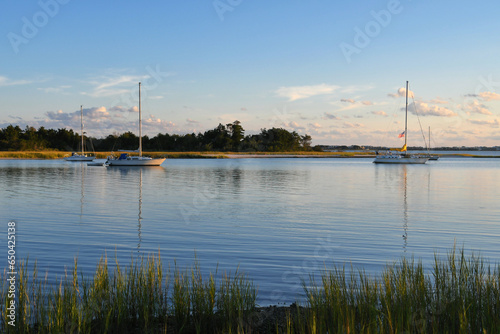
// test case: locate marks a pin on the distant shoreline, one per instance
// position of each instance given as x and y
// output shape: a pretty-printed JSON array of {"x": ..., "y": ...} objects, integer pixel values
[{"x": 54, "y": 155}]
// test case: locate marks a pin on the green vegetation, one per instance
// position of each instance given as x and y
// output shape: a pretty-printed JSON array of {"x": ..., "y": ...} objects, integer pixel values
[
  {"x": 137, "y": 299},
  {"x": 229, "y": 137},
  {"x": 461, "y": 294},
  {"x": 33, "y": 154}
]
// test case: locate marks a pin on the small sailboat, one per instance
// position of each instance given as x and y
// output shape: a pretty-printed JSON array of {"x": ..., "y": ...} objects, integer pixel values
[
  {"x": 80, "y": 157},
  {"x": 135, "y": 160},
  {"x": 403, "y": 157},
  {"x": 431, "y": 157}
]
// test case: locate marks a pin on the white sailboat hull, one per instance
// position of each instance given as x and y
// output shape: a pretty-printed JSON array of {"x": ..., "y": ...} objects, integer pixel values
[
  {"x": 399, "y": 159},
  {"x": 135, "y": 161}
]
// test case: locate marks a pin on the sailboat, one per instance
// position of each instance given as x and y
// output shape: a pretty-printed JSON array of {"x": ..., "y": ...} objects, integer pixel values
[
  {"x": 431, "y": 157},
  {"x": 128, "y": 160},
  {"x": 403, "y": 157},
  {"x": 75, "y": 156}
]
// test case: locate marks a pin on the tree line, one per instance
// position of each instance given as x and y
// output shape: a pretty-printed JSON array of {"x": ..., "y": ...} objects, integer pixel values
[{"x": 229, "y": 137}]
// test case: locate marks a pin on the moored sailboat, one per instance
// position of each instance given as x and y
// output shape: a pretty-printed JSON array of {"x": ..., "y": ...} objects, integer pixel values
[
  {"x": 403, "y": 157},
  {"x": 133, "y": 160},
  {"x": 80, "y": 157},
  {"x": 431, "y": 157}
]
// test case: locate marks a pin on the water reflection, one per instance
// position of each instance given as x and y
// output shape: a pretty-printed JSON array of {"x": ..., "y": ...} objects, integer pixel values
[
  {"x": 130, "y": 185},
  {"x": 139, "y": 218},
  {"x": 226, "y": 179},
  {"x": 405, "y": 208},
  {"x": 82, "y": 198},
  {"x": 410, "y": 183}
]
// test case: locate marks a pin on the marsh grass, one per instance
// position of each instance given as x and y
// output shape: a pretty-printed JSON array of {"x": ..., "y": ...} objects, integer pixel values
[
  {"x": 33, "y": 154},
  {"x": 459, "y": 295},
  {"x": 137, "y": 299}
]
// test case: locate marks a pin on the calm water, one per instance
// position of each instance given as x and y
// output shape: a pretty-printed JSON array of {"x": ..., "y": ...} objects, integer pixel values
[{"x": 278, "y": 219}]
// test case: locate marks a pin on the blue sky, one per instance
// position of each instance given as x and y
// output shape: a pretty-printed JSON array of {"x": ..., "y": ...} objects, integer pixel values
[{"x": 334, "y": 70}]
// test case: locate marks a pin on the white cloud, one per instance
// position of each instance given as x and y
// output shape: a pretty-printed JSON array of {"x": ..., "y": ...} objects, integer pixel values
[
  {"x": 353, "y": 125},
  {"x": 425, "y": 109},
  {"x": 112, "y": 82},
  {"x": 153, "y": 123},
  {"x": 295, "y": 126},
  {"x": 402, "y": 92},
  {"x": 328, "y": 115},
  {"x": 438, "y": 100},
  {"x": 492, "y": 123},
  {"x": 315, "y": 125},
  {"x": 192, "y": 121},
  {"x": 380, "y": 113},
  {"x": 5, "y": 81},
  {"x": 120, "y": 83},
  {"x": 110, "y": 86},
  {"x": 485, "y": 96},
  {"x": 101, "y": 121},
  {"x": 489, "y": 96},
  {"x": 124, "y": 109},
  {"x": 354, "y": 89},
  {"x": 302, "y": 92},
  {"x": 54, "y": 90},
  {"x": 475, "y": 107},
  {"x": 96, "y": 113},
  {"x": 366, "y": 103}
]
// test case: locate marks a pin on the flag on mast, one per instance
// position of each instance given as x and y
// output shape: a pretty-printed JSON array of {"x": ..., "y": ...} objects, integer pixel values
[{"x": 402, "y": 134}]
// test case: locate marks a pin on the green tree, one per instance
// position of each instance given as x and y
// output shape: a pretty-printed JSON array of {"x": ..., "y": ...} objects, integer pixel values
[
  {"x": 11, "y": 138},
  {"x": 236, "y": 133},
  {"x": 305, "y": 142},
  {"x": 218, "y": 138},
  {"x": 128, "y": 141}
]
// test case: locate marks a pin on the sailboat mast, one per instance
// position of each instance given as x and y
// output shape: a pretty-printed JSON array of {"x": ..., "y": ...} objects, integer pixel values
[
  {"x": 81, "y": 124},
  {"x": 140, "y": 123},
  {"x": 406, "y": 118},
  {"x": 429, "y": 138}
]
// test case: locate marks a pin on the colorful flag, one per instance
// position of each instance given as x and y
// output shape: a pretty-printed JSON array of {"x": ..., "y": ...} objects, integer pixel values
[{"x": 401, "y": 135}]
